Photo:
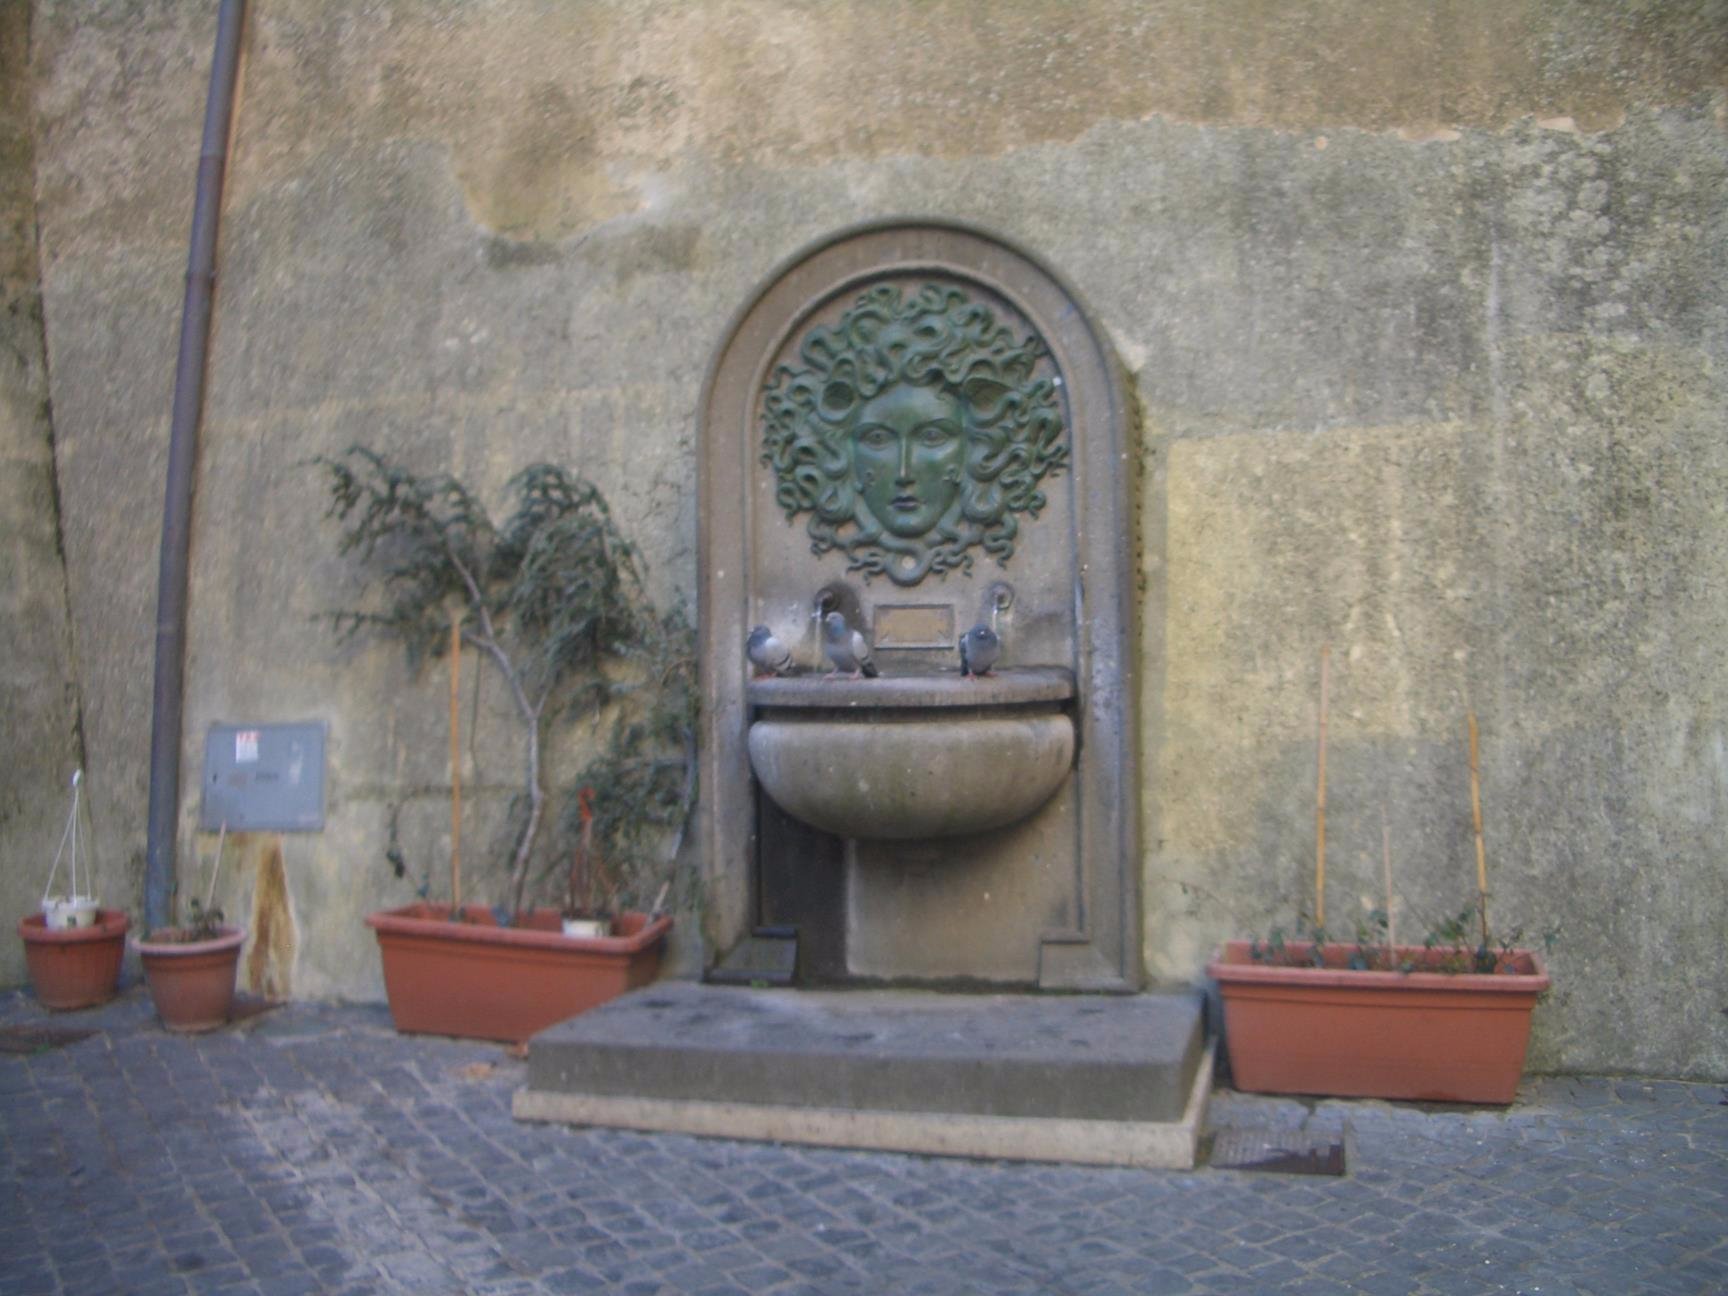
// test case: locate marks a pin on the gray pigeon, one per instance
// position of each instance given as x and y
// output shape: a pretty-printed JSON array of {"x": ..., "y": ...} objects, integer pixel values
[
  {"x": 846, "y": 648},
  {"x": 979, "y": 649},
  {"x": 767, "y": 654}
]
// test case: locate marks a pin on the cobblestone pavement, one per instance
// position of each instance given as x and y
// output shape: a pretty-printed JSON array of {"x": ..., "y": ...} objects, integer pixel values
[{"x": 313, "y": 1150}]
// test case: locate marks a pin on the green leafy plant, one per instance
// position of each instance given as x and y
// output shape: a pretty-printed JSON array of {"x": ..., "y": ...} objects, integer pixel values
[
  {"x": 641, "y": 786},
  {"x": 1451, "y": 948},
  {"x": 553, "y": 598},
  {"x": 1371, "y": 950},
  {"x": 1273, "y": 951},
  {"x": 1450, "y": 945},
  {"x": 1308, "y": 947},
  {"x": 203, "y": 923}
]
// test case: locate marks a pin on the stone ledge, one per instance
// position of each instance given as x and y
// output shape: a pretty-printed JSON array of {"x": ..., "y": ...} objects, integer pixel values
[
  {"x": 1071, "y": 1057},
  {"x": 1152, "y": 1145}
]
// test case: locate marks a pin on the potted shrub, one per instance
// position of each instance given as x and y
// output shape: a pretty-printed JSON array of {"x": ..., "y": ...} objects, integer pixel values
[
  {"x": 72, "y": 947},
  {"x": 1447, "y": 1020},
  {"x": 74, "y": 967},
  {"x": 190, "y": 969},
  {"x": 1431, "y": 1022},
  {"x": 553, "y": 601}
]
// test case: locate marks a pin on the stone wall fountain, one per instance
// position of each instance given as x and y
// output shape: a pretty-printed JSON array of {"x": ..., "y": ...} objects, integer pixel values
[
  {"x": 917, "y": 426},
  {"x": 912, "y": 436}
]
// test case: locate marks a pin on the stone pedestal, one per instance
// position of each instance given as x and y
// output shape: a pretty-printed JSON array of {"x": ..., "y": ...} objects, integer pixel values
[{"x": 1103, "y": 1079}]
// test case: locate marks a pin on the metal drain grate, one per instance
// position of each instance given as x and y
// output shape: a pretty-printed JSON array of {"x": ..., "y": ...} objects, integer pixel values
[
  {"x": 37, "y": 1039},
  {"x": 1276, "y": 1152}
]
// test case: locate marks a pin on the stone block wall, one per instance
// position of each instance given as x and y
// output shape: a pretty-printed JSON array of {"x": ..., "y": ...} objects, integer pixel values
[
  {"x": 1425, "y": 307},
  {"x": 38, "y": 677}
]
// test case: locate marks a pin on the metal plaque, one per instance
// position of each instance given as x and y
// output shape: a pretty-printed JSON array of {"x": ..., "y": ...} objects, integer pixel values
[
  {"x": 915, "y": 625},
  {"x": 263, "y": 777}
]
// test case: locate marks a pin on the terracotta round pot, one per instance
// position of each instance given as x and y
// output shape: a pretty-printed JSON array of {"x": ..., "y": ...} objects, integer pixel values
[
  {"x": 192, "y": 982},
  {"x": 74, "y": 967}
]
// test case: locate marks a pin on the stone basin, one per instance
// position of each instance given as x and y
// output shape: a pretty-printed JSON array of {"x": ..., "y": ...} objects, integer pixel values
[{"x": 913, "y": 756}]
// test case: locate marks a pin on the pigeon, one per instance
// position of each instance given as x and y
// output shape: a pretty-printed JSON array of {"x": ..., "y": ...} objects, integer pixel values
[
  {"x": 979, "y": 649},
  {"x": 767, "y": 654},
  {"x": 846, "y": 648}
]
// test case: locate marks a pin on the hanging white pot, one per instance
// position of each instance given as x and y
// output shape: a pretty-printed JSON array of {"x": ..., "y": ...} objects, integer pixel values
[
  {"x": 587, "y": 927},
  {"x": 62, "y": 913},
  {"x": 65, "y": 912}
]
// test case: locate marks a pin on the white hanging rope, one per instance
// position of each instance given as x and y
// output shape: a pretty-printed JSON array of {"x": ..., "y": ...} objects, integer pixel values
[{"x": 71, "y": 832}]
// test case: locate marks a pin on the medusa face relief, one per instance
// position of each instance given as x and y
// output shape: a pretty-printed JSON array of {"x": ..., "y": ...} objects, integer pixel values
[
  {"x": 917, "y": 429},
  {"x": 909, "y": 456}
]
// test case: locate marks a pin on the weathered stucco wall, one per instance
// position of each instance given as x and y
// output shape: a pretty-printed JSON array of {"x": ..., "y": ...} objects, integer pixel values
[
  {"x": 38, "y": 698},
  {"x": 1425, "y": 306}
]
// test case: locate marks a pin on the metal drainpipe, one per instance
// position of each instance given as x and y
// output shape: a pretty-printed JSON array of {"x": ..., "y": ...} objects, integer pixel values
[{"x": 171, "y": 580}]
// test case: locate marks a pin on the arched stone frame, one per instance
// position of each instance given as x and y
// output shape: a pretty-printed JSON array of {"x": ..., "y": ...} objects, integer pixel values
[{"x": 1102, "y": 950}]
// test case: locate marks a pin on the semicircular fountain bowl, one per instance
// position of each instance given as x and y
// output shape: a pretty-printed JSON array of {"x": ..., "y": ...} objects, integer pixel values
[{"x": 913, "y": 756}]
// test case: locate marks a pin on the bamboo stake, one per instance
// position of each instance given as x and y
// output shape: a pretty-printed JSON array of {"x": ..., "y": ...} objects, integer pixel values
[
  {"x": 1386, "y": 873},
  {"x": 456, "y": 763},
  {"x": 1320, "y": 801},
  {"x": 474, "y": 724},
  {"x": 216, "y": 867},
  {"x": 1476, "y": 816}
]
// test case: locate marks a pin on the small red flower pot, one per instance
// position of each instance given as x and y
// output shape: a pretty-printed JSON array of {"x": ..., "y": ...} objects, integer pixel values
[
  {"x": 192, "y": 982},
  {"x": 74, "y": 967}
]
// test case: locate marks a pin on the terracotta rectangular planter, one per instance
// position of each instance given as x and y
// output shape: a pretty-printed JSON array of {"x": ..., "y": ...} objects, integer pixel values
[
  {"x": 478, "y": 980},
  {"x": 1420, "y": 1035}
]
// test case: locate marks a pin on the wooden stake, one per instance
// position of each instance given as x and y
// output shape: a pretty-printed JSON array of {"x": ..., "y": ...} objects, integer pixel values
[
  {"x": 216, "y": 866},
  {"x": 456, "y": 763},
  {"x": 1320, "y": 801},
  {"x": 1386, "y": 873},
  {"x": 474, "y": 723},
  {"x": 1476, "y": 816}
]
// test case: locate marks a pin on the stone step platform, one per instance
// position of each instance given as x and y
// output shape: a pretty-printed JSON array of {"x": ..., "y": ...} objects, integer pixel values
[{"x": 1101, "y": 1079}]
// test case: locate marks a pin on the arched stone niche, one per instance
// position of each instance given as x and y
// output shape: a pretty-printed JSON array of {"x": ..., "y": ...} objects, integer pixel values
[{"x": 1033, "y": 498}]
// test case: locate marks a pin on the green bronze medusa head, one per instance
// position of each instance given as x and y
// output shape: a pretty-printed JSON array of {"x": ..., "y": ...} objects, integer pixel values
[{"x": 917, "y": 429}]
